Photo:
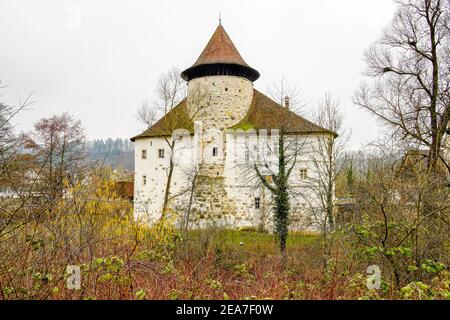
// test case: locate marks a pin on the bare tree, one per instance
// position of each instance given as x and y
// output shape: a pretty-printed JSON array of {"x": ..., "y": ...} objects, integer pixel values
[
  {"x": 410, "y": 68},
  {"x": 170, "y": 93},
  {"x": 58, "y": 144},
  {"x": 146, "y": 115},
  {"x": 170, "y": 90},
  {"x": 394, "y": 223},
  {"x": 286, "y": 148},
  {"x": 328, "y": 158},
  {"x": 282, "y": 90}
]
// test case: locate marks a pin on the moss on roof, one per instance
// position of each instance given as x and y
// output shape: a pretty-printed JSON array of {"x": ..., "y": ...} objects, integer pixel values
[{"x": 264, "y": 113}]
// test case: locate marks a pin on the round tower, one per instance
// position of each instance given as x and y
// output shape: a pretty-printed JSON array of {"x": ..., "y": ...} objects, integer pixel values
[
  {"x": 220, "y": 83},
  {"x": 220, "y": 92}
]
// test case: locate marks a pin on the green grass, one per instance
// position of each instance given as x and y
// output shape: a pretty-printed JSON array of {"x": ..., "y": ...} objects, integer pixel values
[
  {"x": 256, "y": 242},
  {"x": 248, "y": 237}
]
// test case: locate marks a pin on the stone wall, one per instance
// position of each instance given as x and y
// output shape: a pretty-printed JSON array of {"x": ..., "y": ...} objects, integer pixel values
[{"x": 219, "y": 101}]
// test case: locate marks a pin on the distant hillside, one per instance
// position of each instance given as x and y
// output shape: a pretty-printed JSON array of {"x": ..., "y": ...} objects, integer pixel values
[{"x": 115, "y": 153}]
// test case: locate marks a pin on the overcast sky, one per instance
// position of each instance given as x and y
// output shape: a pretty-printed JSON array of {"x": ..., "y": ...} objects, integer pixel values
[{"x": 101, "y": 68}]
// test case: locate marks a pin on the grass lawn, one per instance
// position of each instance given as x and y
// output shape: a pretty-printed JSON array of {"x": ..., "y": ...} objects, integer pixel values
[{"x": 259, "y": 243}]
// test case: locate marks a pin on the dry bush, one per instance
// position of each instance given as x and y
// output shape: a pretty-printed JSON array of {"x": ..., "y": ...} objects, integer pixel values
[{"x": 122, "y": 259}]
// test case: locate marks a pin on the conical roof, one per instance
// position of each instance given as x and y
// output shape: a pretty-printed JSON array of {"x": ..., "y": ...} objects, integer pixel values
[
  {"x": 220, "y": 57},
  {"x": 220, "y": 49}
]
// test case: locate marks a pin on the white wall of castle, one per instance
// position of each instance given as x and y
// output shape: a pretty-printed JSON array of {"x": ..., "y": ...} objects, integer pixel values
[
  {"x": 216, "y": 103},
  {"x": 241, "y": 183}
]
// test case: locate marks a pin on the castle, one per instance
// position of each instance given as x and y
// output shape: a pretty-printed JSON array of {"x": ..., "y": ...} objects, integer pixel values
[{"x": 208, "y": 144}]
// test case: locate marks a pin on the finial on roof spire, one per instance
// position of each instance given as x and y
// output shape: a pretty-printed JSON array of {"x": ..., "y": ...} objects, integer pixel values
[{"x": 220, "y": 18}]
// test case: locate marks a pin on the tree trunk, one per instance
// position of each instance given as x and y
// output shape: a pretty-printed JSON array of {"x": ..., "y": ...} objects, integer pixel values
[
  {"x": 191, "y": 198},
  {"x": 169, "y": 181}
]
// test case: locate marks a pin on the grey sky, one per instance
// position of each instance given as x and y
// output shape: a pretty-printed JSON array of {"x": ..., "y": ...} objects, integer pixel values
[{"x": 102, "y": 71}]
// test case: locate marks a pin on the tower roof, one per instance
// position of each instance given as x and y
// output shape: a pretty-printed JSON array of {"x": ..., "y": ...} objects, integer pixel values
[
  {"x": 220, "y": 57},
  {"x": 220, "y": 49}
]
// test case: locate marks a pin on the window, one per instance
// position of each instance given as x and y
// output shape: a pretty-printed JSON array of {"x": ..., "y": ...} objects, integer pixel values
[
  {"x": 144, "y": 180},
  {"x": 151, "y": 143},
  {"x": 144, "y": 154},
  {"x": 256, "y": 151},
  {"x": 257, "y": 202},
  {"x": 226, "y": 89},
  {"x": 247, "y": 156},
  {"x": 215, "y": 151},
  {"x": 275, "y": 148},
  {"x": 161, "y": 153},
  {"x": 303, "y": 174}
]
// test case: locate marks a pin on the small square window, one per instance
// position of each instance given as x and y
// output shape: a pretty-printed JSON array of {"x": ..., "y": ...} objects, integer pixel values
[
  {"x": 215, "y": 151},
  {"x": 303, "y": 174},
  {"x": 257, "y": 202},
  {"x": 144, "y": 154},
  {"x": 161, "y": 153},
  {"x": 256, "y": 151},
  {"x": 144, "y": 180}
]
